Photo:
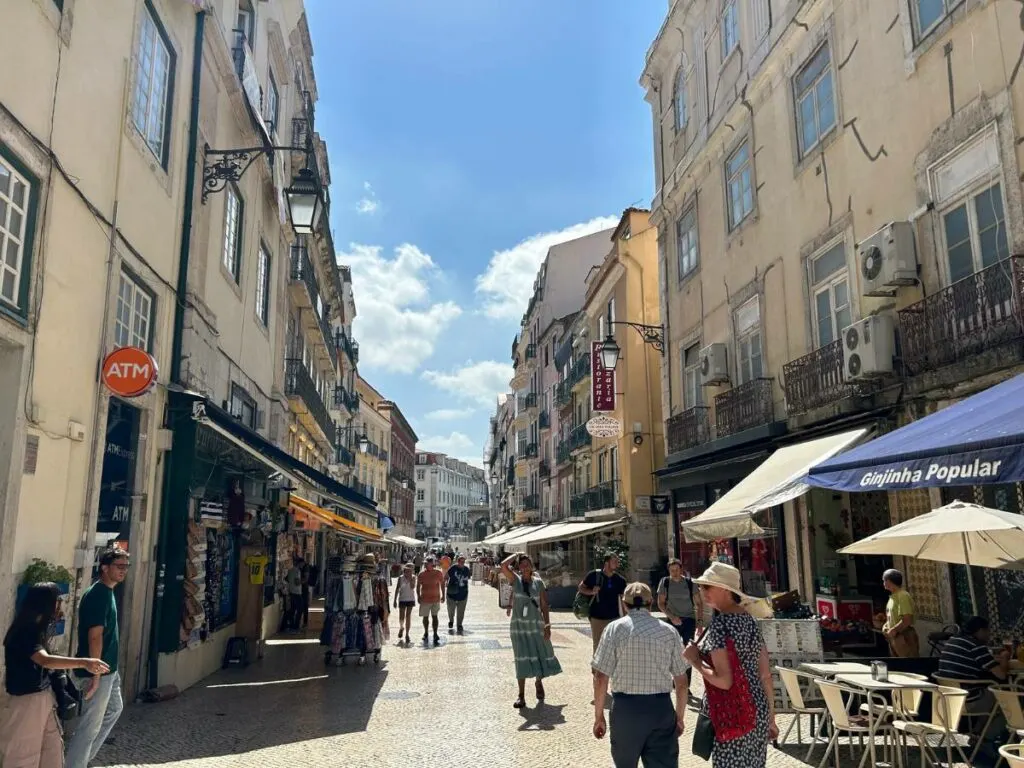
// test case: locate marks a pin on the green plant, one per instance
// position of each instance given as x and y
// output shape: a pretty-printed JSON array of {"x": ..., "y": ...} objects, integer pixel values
[
  {"x": 41, "y": 571},
  {"x": 617, "y": 547}
]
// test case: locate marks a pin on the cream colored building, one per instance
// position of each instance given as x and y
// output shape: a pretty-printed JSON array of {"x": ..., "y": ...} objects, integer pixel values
[
  {"x": 106, "y": 196},
  {"x": 373, "y": 465},
  {"x": 788, "y": 137}
]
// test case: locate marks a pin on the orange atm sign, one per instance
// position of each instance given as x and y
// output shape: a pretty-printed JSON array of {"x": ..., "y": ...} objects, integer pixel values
[{"x": 129, "y": 371}]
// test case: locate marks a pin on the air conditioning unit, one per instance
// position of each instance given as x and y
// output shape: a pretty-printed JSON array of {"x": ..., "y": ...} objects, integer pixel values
[
  {"x": 714, "y": 364},
  {"x": 887, "y": 259},
  {"x": 868, "y": 348}
]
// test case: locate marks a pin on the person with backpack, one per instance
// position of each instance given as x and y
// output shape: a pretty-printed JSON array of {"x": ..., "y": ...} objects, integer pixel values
[
  {"x": 676, "y": 601},
  {"x": 30, "y": 736},
  {"x": 605, "y": 587}
]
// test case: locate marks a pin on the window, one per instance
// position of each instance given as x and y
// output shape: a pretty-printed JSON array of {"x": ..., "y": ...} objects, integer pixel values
[
  {"x": 686, "y": 242},
  {"x": 749, "y": 359},
  {"x": 243, "y": 407},
  {"x": 17, "y": 214},
  {"x": 739, "y": 185},
  {"x": 730, "y": 29},
  {"x": 133, "y": 318},
  {"x": 154, "y": 78},
  {"x": 263, "y": 285},
  {"x": 815, "y": 100},
  {"x": 273, "y": 104},
  {"x": 232, "y": 257},
  {"x": 928, "y": 13},
  {"x": 679, "y": 100},
  {"x": 420, "y": 474},
  {"x": 246, "y": 21},
  {"x": 975, "y": 233},
  {"x": 420, "y": 495},
  {"x": 831, "y": 294},
  {"x": 693, "y": 393}
]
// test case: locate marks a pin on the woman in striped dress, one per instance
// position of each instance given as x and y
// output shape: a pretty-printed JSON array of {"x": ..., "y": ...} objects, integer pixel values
[{"x": 530, "y": 627}]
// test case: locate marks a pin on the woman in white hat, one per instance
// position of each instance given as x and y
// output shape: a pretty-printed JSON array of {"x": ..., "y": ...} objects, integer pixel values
[{"x": 742, "y": 740}]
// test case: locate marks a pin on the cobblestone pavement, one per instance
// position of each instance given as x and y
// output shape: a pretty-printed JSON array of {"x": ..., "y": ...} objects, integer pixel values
[{"x": 451, "y": 703}]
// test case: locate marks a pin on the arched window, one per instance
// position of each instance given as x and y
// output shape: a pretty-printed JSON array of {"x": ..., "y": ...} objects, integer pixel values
[{"x": 679, "y": 100}]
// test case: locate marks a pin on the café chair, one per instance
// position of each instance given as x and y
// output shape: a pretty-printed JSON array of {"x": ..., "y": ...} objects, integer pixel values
[
  {"x": 1013, "y": 754},
  {"x": 972, "y": 717},
  {"x": 844, "y": 722},
  {"x": 796, "y": 683},
  {"x": 947, "y": 710},
  {"x": 1011, "y": 701}
]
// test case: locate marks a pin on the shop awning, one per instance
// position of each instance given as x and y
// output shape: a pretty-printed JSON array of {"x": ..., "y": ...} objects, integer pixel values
[
  {"x": 407, "y": 541},
  {"x": 513, "y": 533},
  {"x": 227, "y": 426},
  {"x": 339, "y": 523},
  {"x": 566, "y": 532},
  {"x": 782, "y": 476},
  {"x": 978, "y": 441}
]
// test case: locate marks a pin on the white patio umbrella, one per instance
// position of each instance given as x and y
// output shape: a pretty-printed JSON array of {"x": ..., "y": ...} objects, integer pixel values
[{"x": 963, "y": 533}]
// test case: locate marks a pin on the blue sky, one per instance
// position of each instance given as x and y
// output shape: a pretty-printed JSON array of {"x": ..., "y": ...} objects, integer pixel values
[{"x": 465, "y": 138}]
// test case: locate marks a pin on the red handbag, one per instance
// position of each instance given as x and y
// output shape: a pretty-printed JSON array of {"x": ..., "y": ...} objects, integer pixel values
[{"x": 732, "y": 712}]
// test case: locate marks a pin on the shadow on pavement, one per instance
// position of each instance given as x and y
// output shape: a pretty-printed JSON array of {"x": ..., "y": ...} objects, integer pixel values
[
  {"x": 544, "y": 717},
  {"x": 289, "y": 696}
]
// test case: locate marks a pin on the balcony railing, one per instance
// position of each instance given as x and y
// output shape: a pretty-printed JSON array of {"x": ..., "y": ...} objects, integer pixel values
[
  {"x": 816, "y": 380},
  {"x": 302, "y": 272},
  {"x": 527, "y": 402},
  {"x": 530, "y": 451},
  {"x": 578, "y": 438},
  {"x": 744, "y": 407},
  {"x": 531, "y": 502},
  {"x": 545, "y": 469},
  {"x": 531, "y": 351},
  {"x": 601, "y": 496},
  {"x": 580, "y": 370},
  {"x": 544, "y": 420},
  {"x": 563, "y": 394},
  {"x": 298, "y": 383},
  {"x": 972, "y": 315},
  {"x": 345, "y": 456},
  {"x": 688, "y": 429},
  {"x": 347, "y": 345},
  {"x": 343, "y": 398}
]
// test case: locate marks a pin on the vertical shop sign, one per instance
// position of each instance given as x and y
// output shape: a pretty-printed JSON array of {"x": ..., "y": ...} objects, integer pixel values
[
  {"x": 602, "y": 381},
  {"x": 118, "y": 473}
]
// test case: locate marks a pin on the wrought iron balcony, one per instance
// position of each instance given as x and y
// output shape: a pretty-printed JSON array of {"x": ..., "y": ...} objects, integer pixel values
[
  {"x": 744, "y": 407},
  {"x": 309, "y": 298},
  {"x": 562, "y": 453},
  {"x": 529, "y": 451},
  {"x": 299, "y": 386},
  {"x": 531, "y": 502},
  {"x": 347, "y": 345},
  {"x": 527, "y": 402},
  {"x": 531, "y": 351},
  {"x": 688, "y": 429},
  {"x": 580, "y": 370},
  {"x": 563, "y": 394},
  {"x": 545, "y": 469},
  {"x": 599, "y": 497},
  {"x": 576, "y": 439},
  {"x": 544, "y": 420},
  {"x": 816, "y": 380},
  {"x": 970, "y": 316},
  {"x": 345, "y": 456}
]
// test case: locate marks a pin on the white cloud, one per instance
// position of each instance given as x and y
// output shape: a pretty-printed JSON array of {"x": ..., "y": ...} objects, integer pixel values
[
  {"x": 458, "y": 445},
  {"x": 480, "y": 382},
  {"x": 449, "y": 414},
  {"x": 369, "y": 203},
  {"x": 507, "y": 284},
  {"x": 396, "y": 324}
]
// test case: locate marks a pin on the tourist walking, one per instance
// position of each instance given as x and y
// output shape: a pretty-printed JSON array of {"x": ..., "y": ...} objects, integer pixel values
[
  {"x": 676, "y": 601},
  {"x": 732, "y": 658},
  {"x": 293, "y": 596},
  {"x": 30, "y": 735},
  {"x": 607, "y": 587},
  {"x": 642, "y": 660},
  {"x": 98, "y": 638},
  {"x": 405, "y": 601},
  {"x": 899, "y": 617},
  {"x": 530, "y": 628},
  {"x": 457, "y": 591},
  {"x": 429, "y": 588}
]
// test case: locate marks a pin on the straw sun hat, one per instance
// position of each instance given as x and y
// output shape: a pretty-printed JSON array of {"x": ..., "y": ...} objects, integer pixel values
[{"x": 728, "y": 577}]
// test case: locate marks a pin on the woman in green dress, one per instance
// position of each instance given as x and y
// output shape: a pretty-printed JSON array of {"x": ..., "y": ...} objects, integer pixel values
[{"x": 530, "y": 627}]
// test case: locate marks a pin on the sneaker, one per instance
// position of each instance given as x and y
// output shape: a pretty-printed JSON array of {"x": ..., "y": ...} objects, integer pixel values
[
  {"x": 425, "y": 637},
  {"x": 459, "y": 630},
  {"x": 437, "y": 640},
  {"x": 451, "y": 631},
  {"x": 451, "y": 624}
]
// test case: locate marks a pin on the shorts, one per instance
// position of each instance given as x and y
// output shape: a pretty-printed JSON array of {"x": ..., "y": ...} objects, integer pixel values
[
  {"x": 406, "y": 603},
  {"x": 429, "y": 609}
]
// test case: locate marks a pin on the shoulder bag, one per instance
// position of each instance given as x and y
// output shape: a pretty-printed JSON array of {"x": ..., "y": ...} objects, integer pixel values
[
  {"x": 732, "y": 712},
  {"x": 70, "y": 698},
  {"x": 703, "y": 737},
  {"x": 582, "y": 604}
]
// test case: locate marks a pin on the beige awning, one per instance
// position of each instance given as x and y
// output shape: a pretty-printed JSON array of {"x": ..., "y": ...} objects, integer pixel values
[
  {"x": 567, "y": 531},
  {"x": 779, "y": 479},
  {"x": 514, "y": 533}
]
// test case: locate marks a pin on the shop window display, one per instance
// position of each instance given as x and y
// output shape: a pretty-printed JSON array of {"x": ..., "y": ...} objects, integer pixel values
[{"x": 221, "y": 578}]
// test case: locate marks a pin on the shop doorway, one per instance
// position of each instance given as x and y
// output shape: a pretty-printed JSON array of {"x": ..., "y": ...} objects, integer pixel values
[{"x": 869, "y": 514}]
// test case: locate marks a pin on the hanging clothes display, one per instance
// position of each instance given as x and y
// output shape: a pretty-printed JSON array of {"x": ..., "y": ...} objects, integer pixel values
[{"x": 356, "y": 607}]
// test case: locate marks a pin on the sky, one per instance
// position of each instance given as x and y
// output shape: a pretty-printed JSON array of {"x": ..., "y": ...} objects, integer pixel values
[{"x": 465, "y": 138}]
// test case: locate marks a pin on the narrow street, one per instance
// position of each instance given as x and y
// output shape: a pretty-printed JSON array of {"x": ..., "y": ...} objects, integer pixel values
[{"x": 450, "y": 703}]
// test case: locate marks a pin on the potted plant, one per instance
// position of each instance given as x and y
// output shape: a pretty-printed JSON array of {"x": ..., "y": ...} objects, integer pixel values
[{"x": 40, "y": 571}]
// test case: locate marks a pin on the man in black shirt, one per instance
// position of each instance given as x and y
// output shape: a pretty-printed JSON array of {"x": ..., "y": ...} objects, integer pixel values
[
  {"x": 606, "y": 586},
  {"x": 967, "y": 657}
]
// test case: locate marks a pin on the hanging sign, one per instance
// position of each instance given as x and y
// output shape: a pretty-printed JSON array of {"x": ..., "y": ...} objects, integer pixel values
[
  {"x": 129, "y": 371},
  {"x": 602, "y": 426},
  {"x": 602, "y": 381}
]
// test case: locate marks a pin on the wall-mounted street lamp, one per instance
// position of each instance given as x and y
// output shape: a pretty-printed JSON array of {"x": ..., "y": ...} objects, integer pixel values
[
  {"x": 362, "y": 442},
  {"x": 651, "y": 334},
  {"x": 305, "y": 195}
]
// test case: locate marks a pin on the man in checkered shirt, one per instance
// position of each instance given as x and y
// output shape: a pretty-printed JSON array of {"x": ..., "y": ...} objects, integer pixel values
[{"x": 642, "y": 657}]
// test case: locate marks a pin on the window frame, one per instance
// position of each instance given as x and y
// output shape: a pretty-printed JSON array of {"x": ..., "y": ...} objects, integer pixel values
[
  {"x": 239, "y": 394},
  {"x": 264, "y": 260},
  {"x": 812, "y": 90},
  {"x": 680, "y": 105},
  {"x": 829, "y": 283},
  {"x": 127, "y": 275},
  {"x": 163, "y": 155},
  {"x": 23, "y": 276},
  {"x": 922, "y": 33},
  {"x": 691, "y": 373},
  {"x": 693, "y": 238},
  {"x": 747, "y": 335},
  {"x": 233, "y": 266},
  {"x": 730, "y": 20},
  {"x": 273, "y": 101},
  {"x": 967, "y": 198},
  {"x": 748, "y": 168}
]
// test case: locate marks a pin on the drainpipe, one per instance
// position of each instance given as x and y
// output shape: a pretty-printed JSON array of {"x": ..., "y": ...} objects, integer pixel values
[{"x": 179, "y": 330}]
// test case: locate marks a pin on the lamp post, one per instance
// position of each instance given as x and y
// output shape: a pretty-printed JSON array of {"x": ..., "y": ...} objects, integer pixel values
[
  {"x": 651, "y": 334},
  {"x": 305, "y": 202},
  {"x": 362, "y": 442}
]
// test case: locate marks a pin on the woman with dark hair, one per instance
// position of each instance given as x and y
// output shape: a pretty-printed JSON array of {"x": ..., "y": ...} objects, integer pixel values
[
  {"x": 30, "y": 736},
  {"x": 530, "y": 628}
]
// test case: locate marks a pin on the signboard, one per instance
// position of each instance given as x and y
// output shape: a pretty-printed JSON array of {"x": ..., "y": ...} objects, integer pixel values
[
  {"x": 661, "y": 505},
  {"x": 118, "y": 474},
  {"x": 604, "y": 427},
  {"x": 129, "y": 372},
  {"x": 602, "y": 381}
]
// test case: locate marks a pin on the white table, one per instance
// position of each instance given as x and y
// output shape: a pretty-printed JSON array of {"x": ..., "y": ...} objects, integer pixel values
[
  {"x": 873, "y": 689},
  {"x": 833, "y": 668}
]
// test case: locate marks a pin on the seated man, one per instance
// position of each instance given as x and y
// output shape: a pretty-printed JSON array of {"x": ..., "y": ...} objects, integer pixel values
[{"x": 967, "y": 657}]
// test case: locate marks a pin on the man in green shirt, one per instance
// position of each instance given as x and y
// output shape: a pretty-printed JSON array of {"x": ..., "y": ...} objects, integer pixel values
[{"x": 98, "y": 639}]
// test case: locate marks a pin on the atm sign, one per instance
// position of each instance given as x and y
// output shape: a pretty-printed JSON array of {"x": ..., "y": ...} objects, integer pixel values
[{"x": 129, "y": 371}]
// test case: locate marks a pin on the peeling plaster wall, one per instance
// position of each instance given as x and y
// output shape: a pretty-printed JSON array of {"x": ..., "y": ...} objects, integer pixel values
[{"x": 897, "y": 111}]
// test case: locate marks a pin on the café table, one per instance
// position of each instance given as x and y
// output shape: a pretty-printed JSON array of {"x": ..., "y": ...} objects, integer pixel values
[
  {"x": 833, "y": 668},
  {"x": 873, "y": 691}
]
